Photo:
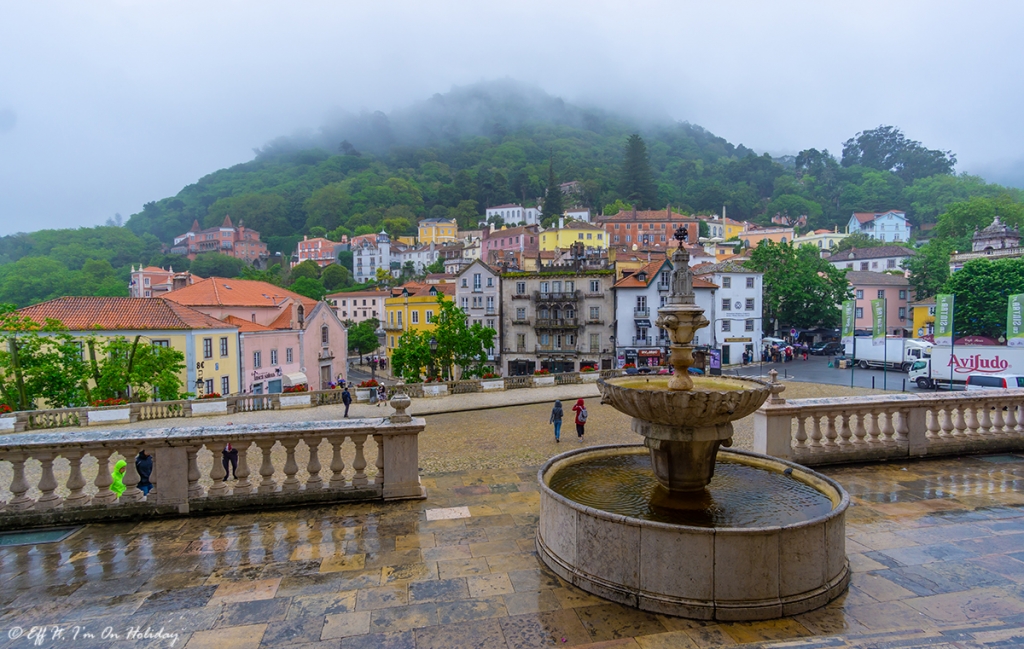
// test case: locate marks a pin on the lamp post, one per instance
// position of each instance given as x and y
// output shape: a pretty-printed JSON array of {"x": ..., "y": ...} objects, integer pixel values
[
  {"x": 433, "y": 350},
  {"x": 615, "y": 356}
]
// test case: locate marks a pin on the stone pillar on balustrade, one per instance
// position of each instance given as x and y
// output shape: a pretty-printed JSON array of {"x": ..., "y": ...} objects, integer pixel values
[
  {"x": 400, "y": 435},
  {"x": 772, "y": 424}
]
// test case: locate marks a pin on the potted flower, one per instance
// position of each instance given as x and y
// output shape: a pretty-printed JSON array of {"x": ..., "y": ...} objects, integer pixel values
[
  {"x": 491, "y": 381},
  {"x": 7, "y": 419},
  {"x": 589, "y": 374},
  {"x": 295, "y": 396},
  {"x": 211, "y": 395},
  {"x": 363, "y": 390},
  {"x": 300, "y": 387},
  {"x": 542, "y": 377}
]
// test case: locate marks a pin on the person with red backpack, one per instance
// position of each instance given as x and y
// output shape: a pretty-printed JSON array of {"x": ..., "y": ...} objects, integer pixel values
[{"x": 581, "y": 418}]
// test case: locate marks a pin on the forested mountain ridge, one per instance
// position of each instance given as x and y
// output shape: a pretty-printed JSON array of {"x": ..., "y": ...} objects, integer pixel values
[{"x": 490, "y": 143}]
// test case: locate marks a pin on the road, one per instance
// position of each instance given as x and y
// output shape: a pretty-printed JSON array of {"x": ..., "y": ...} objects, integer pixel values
[{"x": 816, "y": 370}]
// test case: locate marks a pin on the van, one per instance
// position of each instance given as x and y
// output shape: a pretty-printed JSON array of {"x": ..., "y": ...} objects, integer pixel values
[{"x": 991, "y": 381}]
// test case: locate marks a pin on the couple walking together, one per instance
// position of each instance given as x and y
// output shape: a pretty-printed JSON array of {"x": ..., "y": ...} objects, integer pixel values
[{"x": 581, "y": 418}]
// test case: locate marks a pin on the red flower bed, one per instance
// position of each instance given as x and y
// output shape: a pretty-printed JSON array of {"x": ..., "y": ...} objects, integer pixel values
[
  {"x": 369, "y": 383},
  {"x": 541, "y": 372},
  {"x": 301, "y": 387},
  {"x": 100, "y": 403},
  {"x": 628, "y": 365},
  {"x": 589, "y": 368},
  {"x": 212, "y": 395},
  {"x": 4, "y": 409},
  {"x": 489, "y": 375}
]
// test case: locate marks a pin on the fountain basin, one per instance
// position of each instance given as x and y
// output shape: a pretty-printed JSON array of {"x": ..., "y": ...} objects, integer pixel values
[
  {"x": 748, "y": 572},
  {"x": 713, "y": 400}
]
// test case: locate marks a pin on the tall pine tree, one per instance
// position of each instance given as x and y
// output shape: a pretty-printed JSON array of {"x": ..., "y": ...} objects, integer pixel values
[
  {"x": 553, "y": 207},
  {"x": 637, "y": 184}
]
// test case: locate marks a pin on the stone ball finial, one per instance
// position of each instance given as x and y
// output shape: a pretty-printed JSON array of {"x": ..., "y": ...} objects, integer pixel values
[
  {"x": 775, "y": 387},
  {"x": 400, "y": 401}
]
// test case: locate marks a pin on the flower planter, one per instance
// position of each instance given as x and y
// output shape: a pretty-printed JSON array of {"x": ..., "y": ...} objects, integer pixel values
[
  {"x": 542, "y": 380},
  {"x": 589, "y": 377},
  {"x": 288, "y": 401},
  {"x": 363, "y": 395},
  {"x": 110, "y": 415},
  {"x": 435, "y": 389},
  {"x": 202, "y": 407},
  {"x": 7, "y": 423},
  {"x": 492, "y": 384}
]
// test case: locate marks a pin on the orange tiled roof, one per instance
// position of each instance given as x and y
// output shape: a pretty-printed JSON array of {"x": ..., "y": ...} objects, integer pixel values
[
  {"x": 632, "y": 281},
  {"x": 121, "y": 314},
  {"x": 283, "y": 321},
  {"x": 245, "y": 326},
  {"x": 221, "y": 291}
]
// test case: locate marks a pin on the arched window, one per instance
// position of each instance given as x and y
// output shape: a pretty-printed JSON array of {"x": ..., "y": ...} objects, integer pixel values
[{"x": 325, "y": 337}]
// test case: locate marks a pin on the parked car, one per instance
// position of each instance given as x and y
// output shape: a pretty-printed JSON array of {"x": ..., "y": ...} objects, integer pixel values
[
  {"x": 997, "y": 381},
  {"x": 826, "y": 349}
]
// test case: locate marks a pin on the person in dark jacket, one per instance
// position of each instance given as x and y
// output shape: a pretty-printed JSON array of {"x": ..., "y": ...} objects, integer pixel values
[
  {"x": 229, "y": 456},
  {"x": 346, "y": 398},
  {"x": 556, "y": 419},
  {"x": 144, "y": 465}
]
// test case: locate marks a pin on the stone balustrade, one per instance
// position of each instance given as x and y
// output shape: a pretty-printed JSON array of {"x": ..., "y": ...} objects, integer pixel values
[
  {"x": 278, "y": 464},
  {"x": 889, "y": 427}
]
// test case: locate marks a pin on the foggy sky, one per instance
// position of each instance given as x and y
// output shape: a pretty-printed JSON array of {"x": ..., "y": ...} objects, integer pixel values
[{"x": 105, "y": 105}]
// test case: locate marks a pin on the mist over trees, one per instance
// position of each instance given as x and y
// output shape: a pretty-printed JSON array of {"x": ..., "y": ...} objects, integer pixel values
[{"x": 456, "y": 153}]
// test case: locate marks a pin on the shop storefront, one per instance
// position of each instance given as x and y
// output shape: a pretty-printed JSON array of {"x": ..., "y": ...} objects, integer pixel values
[{"x": 648, "y": 357}]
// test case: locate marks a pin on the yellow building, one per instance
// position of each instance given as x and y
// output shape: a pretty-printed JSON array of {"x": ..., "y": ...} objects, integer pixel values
[
  {"x": 823, "y": 240},
  {"x": 734, "y": 228},
  {"x": 412, "y": 307},
  {"x": 591, "y": 236},
  {"x": 924, "y": 317},
  {"x": 210, "y": 346},
  {"x": 751, "y": 238},
  {"x": 435, "y": 230},
  {"x": 408, "y": 241}
]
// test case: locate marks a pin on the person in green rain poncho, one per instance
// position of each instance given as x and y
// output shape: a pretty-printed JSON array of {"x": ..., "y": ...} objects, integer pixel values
[{"x": 118, "y": 475}]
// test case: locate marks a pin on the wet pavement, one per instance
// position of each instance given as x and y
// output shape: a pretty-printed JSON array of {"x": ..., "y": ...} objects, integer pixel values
[{"x": 936, "y": 547}]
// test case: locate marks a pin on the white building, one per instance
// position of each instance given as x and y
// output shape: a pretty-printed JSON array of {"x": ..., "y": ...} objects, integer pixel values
[
  {"x": 882, "y": 226},
  {"x": 419, "y": 256},
  {"x": 735, "y": 313},
  {"x": 513, "y": 214},
  {"x": 637, "y": 299},
  {"x": 478, "y": 293},
  {"x": 877, "y": 260},
  {"x": 370, "y": 252},
  {"x": 578, "y": 214}
]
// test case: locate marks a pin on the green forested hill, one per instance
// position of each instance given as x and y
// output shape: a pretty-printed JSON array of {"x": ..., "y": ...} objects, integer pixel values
[{"x": 487, "y": 144}]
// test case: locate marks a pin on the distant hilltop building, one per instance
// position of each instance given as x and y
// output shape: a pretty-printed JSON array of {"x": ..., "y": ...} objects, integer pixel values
[
  {"x": 571, "y": 187},
  {"x": 241, "y": 242},
  {"x": 514, "y": 214},
  {"x": 997, "y": 241},
  {"x": 323, "y": 252},
  {"x": 152, "y": 281},
  {"x": 889, "y": 226}
]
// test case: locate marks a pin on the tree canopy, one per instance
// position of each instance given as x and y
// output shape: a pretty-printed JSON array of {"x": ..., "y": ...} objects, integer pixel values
[
  {"x": 981, "y": 288},
  {"x": 800, "y": 288}
]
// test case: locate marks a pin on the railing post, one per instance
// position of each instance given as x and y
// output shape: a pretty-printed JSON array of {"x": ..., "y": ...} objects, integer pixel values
[
  {"x": 401, "y": 459},
  {"x": 172, "y": 464},
  {"x": 773, "y": 432},
  {"x": 917, "y": 431}
]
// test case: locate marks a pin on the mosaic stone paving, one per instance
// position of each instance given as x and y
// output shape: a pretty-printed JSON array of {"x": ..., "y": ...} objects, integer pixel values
[{"x": 937, "y": 549}]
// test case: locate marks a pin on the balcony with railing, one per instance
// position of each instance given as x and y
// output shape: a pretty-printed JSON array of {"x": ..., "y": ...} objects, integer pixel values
[
  {"x": 556, "y": 297},
  {"x": 391, "y": 326},
  {"x": 641, "y": 312},
  {"x": 491, "y": 311},
  {"x": 555, "y": 323},
  {"x": 520, "y": 296},
  {"x": 551, "y": 349}
]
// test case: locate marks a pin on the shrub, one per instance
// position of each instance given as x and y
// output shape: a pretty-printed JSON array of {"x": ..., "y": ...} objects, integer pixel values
[
  {"x": 369, "y": 383},
  {"x": 301, "y": 387},
  {"x": 212, "y": 395}
]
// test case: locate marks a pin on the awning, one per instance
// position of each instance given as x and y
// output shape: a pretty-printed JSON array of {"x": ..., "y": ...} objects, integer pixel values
[
  {"x": 295, "y": 378},
  {"x": 643, "y": 322}
]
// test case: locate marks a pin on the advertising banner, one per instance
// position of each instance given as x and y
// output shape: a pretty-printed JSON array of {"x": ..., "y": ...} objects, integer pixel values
[
  {"x": 849, "y": 322},
  {"x": 878, "y": 321},
  {"x": 944, "y": 319},
  {"x": 1015, "y": 321}
]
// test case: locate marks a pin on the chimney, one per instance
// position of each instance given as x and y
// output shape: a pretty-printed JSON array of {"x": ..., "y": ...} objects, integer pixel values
[
  {"x": 178, "y": 281},
  {"x": 561, "y": 222}
]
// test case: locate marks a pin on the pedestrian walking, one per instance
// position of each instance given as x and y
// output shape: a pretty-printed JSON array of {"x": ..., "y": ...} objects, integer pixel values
[
  {"x": 117, "y": 486},
  {"x": 581, "y": 418},
  {"x": 229, "y": 457},
  {"x": 382, "y": 395},
  {"x": 556, "y": 419},
  {"x": 346, "y": 398},
  {"x": 144, "y": 465}
]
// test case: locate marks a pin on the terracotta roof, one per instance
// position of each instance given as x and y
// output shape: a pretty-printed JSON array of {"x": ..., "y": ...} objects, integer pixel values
[
  {"x": 703, "y": 283},
  {"x": 245, "y": 326},
  {"x": 439, "y": 276},
  {"x": 868, "y": 278},
  {"x": 121, "y": 313},
  {"x": 645, "y": 215},
  {"x": 420, "y": 288},
  {"x": 928, "y": 301},
  {"x": 282, "y": 321},
  {"x": 578, "y": 225},
  {"x": 221, "y": 291},
  {"x": 633, "y": 281}
]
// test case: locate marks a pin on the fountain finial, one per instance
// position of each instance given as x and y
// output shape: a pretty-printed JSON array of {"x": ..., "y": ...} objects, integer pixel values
[{"x": 681, "y": 317}]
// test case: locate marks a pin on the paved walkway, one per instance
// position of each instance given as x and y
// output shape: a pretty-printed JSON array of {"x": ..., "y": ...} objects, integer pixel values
[{"x": 936, "y": 547}]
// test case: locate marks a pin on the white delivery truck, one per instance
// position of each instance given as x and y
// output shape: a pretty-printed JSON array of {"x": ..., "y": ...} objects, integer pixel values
[
  {"x": 896, "y": 354},
  {"x": 963, "y": 360}
]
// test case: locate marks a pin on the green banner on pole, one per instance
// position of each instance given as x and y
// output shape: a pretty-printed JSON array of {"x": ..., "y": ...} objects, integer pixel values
[
  {"x": 878, "y": 321},
  {"x": 1015, "y": 321},
  {"x": 944, "y": 319},
  {"x": 849, "y": 322}
]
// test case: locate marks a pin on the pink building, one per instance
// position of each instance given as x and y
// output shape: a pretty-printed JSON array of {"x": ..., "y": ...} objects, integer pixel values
[
  {"x": 241, "y": 242},
  {"x": 522, "y": 239},
  {"x": 358, "y": 306},
  {"x": 895, "y": 289},
  {"x": 157, "y": 282},
  {"x": 322, "y": 251},
  {"x": 284, "y": 331}
]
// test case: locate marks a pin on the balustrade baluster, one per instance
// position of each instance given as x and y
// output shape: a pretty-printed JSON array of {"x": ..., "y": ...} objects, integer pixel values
[
  {"x": 19, "y": 485},
  {"x": 104, "y": 496},
  {"x": 859, "y": 431},
  {"x": 998, "y": 423},
  {"x": 195, "y": 490},
  {"x": 931, "y": 424},
  {"x": 151, "y": 496},
  {"x": 219, "y": 486},
  {"x": 337, "y": 463},
  {"x": 830, "y": 430},
  {"x": 984, "y": 420},
  {"x": 359, "y": 463},
  {"x": 970, "y": 416},
  {"x": 76, "y": 481},
  {"x": 902, "y": 436},
  {"x": 869, "y": 421},
  {"x": 959, "y": 421},
  {"x": 845, "y": 431},
  {"x": 1011, "y": 418},
  {"x": 243, "y": 486},
  {"x": 47, "y": 483},
  {"x": 131, "y": 478},
  {"x": 291, "y": 483},
  {"x": 314, "y": 481},
  {"x": 886, "y": 430},
  {"x": 267, "y": 485},
  {"x": 945, "y": 421},
  {"x": 801, "y": 432},
  {"x": 816, "y": 436},
  {"x": 379, "y": 462}
]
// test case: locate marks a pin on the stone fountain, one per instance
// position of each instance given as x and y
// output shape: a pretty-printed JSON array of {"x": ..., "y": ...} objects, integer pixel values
[{"x": 651, "y": 526}]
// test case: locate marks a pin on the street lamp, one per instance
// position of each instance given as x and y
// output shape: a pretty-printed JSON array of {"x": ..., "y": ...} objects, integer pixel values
[
  {"x": 615, "y": 356},
  {"x": 433, "y": 350}
]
